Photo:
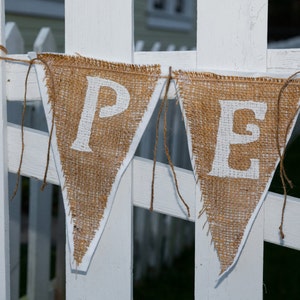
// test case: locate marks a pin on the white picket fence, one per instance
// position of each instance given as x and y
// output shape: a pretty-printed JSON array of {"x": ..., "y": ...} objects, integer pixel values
[{"x": 232, "y": 37}]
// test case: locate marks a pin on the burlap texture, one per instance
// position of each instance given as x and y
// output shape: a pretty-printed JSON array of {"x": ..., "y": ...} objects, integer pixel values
[
  {"x": 89, "y": 176},
  {"x": 230, "y": 202}
]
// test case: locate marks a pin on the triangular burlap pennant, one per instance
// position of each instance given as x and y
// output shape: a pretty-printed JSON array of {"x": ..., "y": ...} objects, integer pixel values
[
  {"x": 231, "y": 124},
  {"x": 100, "y": 111}
]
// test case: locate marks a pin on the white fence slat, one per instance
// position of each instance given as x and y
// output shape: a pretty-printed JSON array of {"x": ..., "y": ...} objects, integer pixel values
[
  {"x": 39, "y": 226},
  {"x": 14, "y": 112},
  {"x": 39, "y": 242},
  {"x": 156, "y": 236},
  {"x": 14, "y": 236},
  {"x": 174, "y": 239},
  {"x": 4, "y": 209},
  {"x": 14, "y": 44},
  {"x": 40, "y": 203},
  {"x": 141, "y": 242},
  {"x": 45, "y": 41},
  {"x": 60, "y": 264},
  {"x": 14, "y": 39},
  {"x": 234, "y": 26},
  {"x": 93, "y": 30},
  {"x": 36, "y": 144},
  {"x": 156, "y": 46},
  {"x": 283, "y": 60},
  {"x": 139, "y": 45},
  {"x": 171, "y": 47},
  {"x": 183, "y": 48},
  {"x": 236, "y": 40}
]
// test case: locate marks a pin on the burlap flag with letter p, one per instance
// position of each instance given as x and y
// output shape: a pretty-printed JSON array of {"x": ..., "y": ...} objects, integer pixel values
[
  {"x": 99, "y": 111},
  {"x": 232, "y": 127}
]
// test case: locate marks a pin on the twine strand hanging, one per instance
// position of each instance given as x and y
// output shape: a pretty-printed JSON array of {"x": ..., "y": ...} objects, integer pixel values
[
  {"x": 30, "y": 63},
  {"x": 282, "y": 172},
  {"x": 164, "y": 107}
]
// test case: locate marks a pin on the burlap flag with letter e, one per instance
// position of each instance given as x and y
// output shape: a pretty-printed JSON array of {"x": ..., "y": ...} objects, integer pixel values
[
  {"x": 232, "y": 127},
  {"x": 99, "y": 111}
]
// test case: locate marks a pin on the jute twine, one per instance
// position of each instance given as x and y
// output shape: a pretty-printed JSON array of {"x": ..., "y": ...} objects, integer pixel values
[
  {"x": 30, "y": 63},
  {"x": 230, "y": 202},
  {"x": 281, "y": 150},
  {"x": 164, "y": 107}
]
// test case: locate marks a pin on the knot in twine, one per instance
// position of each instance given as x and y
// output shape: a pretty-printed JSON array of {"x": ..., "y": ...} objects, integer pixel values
[
  {"x": 30, "y": 63},
  {"x": 164, "y": 106}
]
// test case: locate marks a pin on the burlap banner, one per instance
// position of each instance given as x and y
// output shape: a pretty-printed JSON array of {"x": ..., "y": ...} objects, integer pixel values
[
  {"x": 232, "y": 131},
  {"x": 236, "y": 127},
  {"x": 100, "y": 111}
]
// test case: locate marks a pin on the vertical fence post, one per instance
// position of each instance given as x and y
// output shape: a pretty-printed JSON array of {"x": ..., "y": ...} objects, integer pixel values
[
  {"x": 13, "y": 38},
  {"x": 14, "y": 236},
  {"x": 45, "y": 41},
  {"x": 14, "y": 44},
  {"x": 231, "y": 35},
  {"x": 60, "y": 262},
  {"x": 4, "y": 204},
  {"x": 39, "y": 241},
  {"x": 103, "y": 29},
  {"x": 40, "y": 204}
]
